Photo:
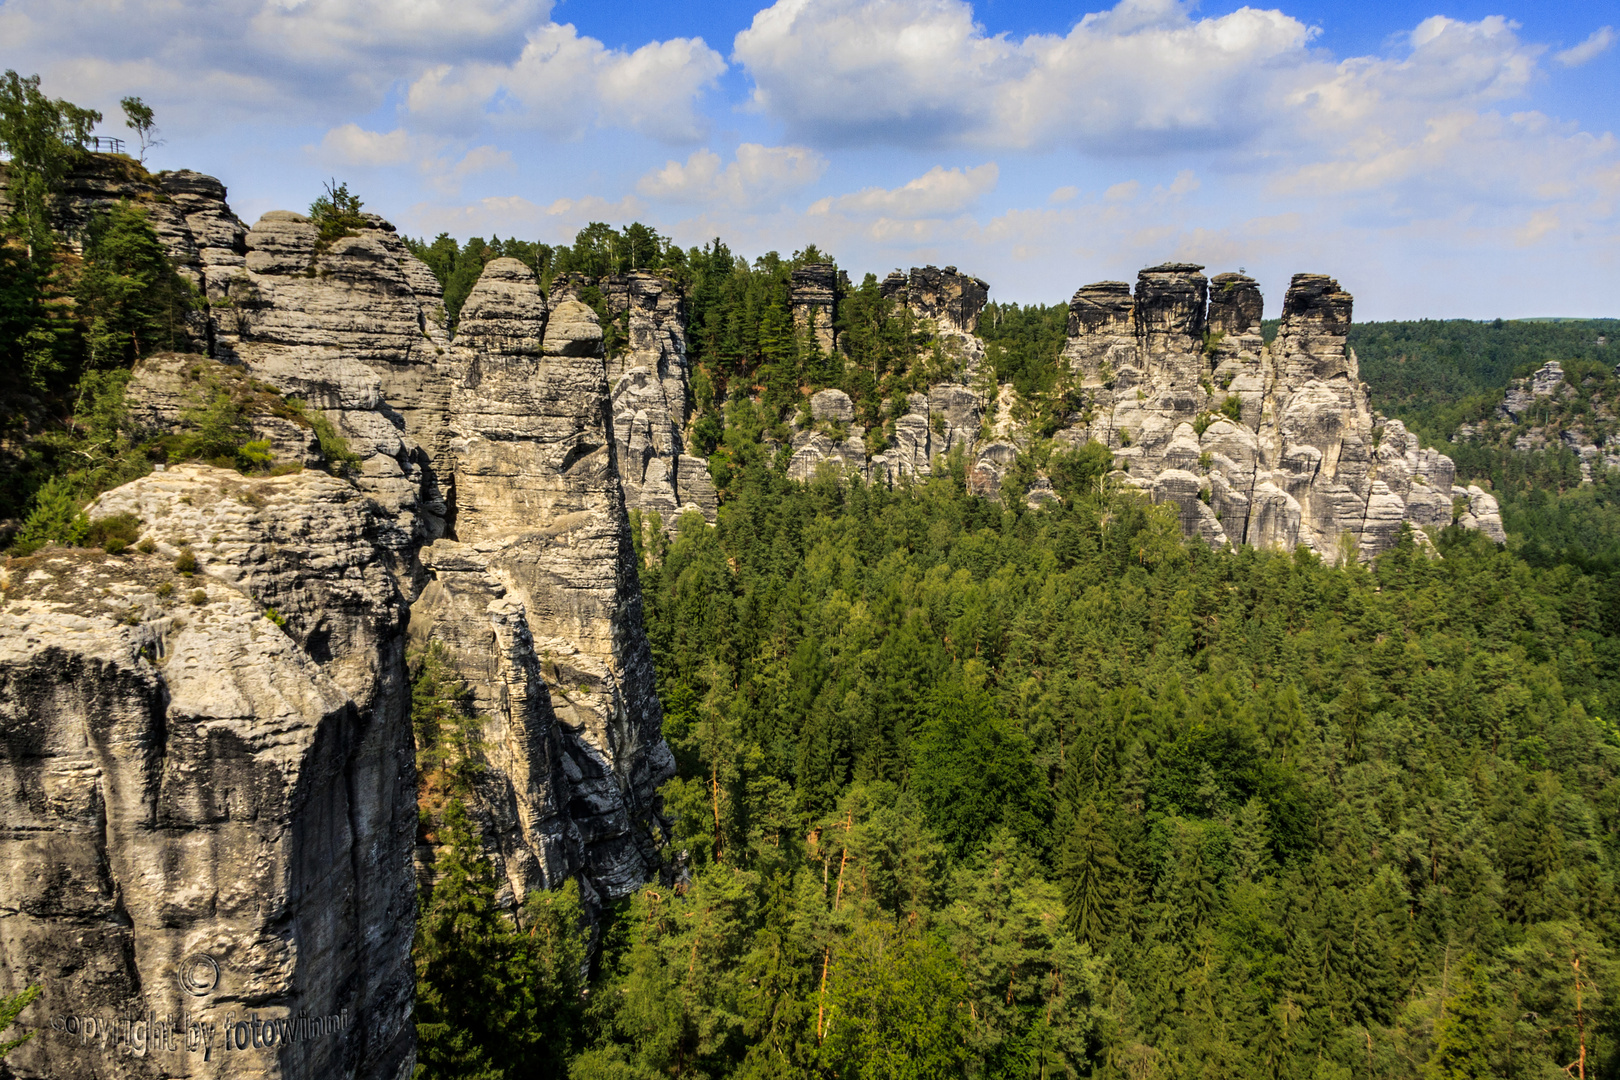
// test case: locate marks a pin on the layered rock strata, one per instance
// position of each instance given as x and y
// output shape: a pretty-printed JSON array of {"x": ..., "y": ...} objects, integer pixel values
[
  {"x": 207, "y": 798},
  {"x": 486, "y": 516},
  {"x": 814, "y": 291},
  {"x": 537, "y": 597},
  {"x": 650, "y": 379},
  {"x": 1271, "y": 445}
]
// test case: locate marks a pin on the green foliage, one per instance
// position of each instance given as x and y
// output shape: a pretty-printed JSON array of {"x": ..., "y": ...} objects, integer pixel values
[
  {"x": 336, "y": 213},
  {"x": 1282, "y": 798},
  {"x": 334, "y": 447},
  {"x": 10, "y": 1009},
  {"x": 896, "y": 1008},
  {"x": 449, "y": 734},
  {"x": 1466, "y": 1034},
  {"x": 128, "y": 295},
  {"x": 598, "y": 250},
  {"x": 138, "y": 117},
  {"x": 54, "y": 518},
  {"x": 1436, "y": 374},
  {"x": 496, "y": 998},
  {"x": 1023, "y": 343},
  {"x": 43, "y": 138},
  {"x": 114, "y": 533},
  {"x": 972, "y": 772}
]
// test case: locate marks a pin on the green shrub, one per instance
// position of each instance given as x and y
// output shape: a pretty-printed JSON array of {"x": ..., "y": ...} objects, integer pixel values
[
  {"x": 1232, "y": 409},
  {"x": 54, "y": 519},
  {"x": 186, "y": 563},
  {"x": 334, "y": 447},
  {"x": 114, "y": 534}
]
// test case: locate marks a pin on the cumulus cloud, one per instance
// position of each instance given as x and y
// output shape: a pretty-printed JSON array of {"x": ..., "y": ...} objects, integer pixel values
[
  {"x": 554, "y": 222},
  {"x": 1594, "y": 46},
  {"x": 564, "y": 84},
  {"x": 756, "y": 174},
  {"x": 441, "y": 163},
  {"x": 1142, "y": 76},
  {"x": 936, "y": 193},
  {"x": 199, "y": 61}
]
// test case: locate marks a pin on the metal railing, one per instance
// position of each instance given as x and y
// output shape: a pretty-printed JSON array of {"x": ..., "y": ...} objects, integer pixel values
[{"x": 102, "y": 144}]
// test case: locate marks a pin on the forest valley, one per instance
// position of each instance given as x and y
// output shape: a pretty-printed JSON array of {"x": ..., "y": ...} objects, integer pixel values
[{"x": 971, "y": 789}]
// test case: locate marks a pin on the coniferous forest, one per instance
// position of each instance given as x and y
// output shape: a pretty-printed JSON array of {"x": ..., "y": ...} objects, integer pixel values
[{"x": 969, "y": 789}]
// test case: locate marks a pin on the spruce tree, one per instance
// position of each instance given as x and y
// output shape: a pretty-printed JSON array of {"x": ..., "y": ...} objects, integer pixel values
[{"x": 1465, "y": 1036}]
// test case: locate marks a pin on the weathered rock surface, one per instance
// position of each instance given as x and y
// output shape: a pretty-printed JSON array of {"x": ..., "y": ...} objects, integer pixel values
[
  {"x": 1280, "y": 439},
  {"x": 537, "y": 597},
  {"x": 650, "y": 380},
  {"x": 813, "y": 293},
  {"x": 180, "y": 777},
  {"x": 487, "y": 514}
]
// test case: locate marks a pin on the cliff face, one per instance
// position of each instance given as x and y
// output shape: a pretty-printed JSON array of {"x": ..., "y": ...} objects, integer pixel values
[
  {"x": 1274, "y": 446},
  {"x": 650, "y": 377},
  {"x": 186, "y": 777},
  {"x": 207, "y": 817},
  {"x": 1269, "y": 445}
]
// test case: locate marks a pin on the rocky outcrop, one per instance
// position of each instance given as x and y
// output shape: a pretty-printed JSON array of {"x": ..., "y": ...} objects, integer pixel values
[
  {"x": 1274, "y": 446},
  {"x": 208, "y": 798},
  {"x": 950, "y": 302},
  {"x": 650, "y": 380},
  {"x": 813, "y": 292},
  {"x": 1548, "y": 411},
  {"x": 224, "y": 762},
  {"x": 535, "y": 594}
]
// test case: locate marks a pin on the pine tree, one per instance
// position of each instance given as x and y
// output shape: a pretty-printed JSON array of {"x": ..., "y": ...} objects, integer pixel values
[
  {"x": 1091, "y": 873},
  {"x": 1466, "y": 1035}
]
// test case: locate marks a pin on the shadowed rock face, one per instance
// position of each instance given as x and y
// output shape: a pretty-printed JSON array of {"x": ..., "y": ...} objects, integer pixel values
[
  {"x": 179, "y": 777},
  {"x": 182, "y": 777}
]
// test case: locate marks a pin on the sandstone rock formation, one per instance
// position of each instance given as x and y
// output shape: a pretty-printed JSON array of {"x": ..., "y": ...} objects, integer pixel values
[
  {"x": 814, "y": 290},
  {"x": 1271, "y": 445},
  {"x": 208, "y": 797},
  {"x": 486, "y": 516},
  {"x": 950, "y": 302},
  {"x": 650, "y": 381}
]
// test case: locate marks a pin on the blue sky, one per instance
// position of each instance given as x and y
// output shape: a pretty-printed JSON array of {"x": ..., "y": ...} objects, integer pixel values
[{"x": 1445, "y": 160}]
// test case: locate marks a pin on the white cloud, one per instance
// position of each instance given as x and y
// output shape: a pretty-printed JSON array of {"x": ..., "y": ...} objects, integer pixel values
[
  {"x": 1594, "y": 46},
  {"x": 565, "y": 84},
  {"x": 757, "y": 173},
  {"x": 1143, "y": 76},
  {"x": 513, "y": 215},
  {"x": 353, "y": 146},
  {"x": 937, "y": 192},
  {"x": 1066, "y": 193},
  {"x": 198, "y": 62},
  {"x": 1124, "y": 191}
]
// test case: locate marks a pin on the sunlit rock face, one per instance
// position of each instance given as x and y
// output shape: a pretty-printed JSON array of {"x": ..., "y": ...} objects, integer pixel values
[
  {"x": 1270, "y": 445},
  {"x": 207, "y": 795},
  {"x": 219, "y": 764}
]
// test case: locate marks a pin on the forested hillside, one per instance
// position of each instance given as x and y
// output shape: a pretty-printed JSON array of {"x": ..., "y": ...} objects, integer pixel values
[
  {"x": 974, "y": 790},
  {"x": 1436, "y": 374},
  {"x": 971, "y": 789},
  {"x": 1448, "y": 380}
]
